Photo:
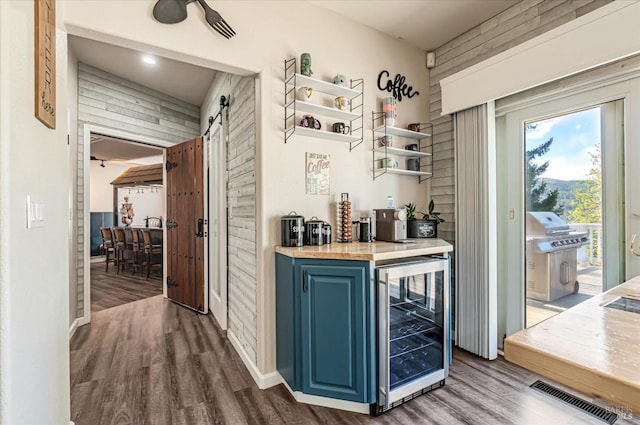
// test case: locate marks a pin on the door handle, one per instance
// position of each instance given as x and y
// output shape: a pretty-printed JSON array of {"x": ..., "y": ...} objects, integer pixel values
[
  {"x": 633, "y": 251},
  {"x": 200, "y": 233},
  {"x": 304, "y": 281}
]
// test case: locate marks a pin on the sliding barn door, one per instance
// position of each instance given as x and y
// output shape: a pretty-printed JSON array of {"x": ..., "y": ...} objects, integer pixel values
[{"x": 186, "y": 224}]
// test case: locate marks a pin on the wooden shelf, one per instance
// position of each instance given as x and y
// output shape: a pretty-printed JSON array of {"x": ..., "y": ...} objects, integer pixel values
[
  {"x": 313, "y": 108},
  {"x": 401, "y": 152},
  {"x": 401, "y": 132},
  {"x": 327, "y": 135},
  {"x": 322, "y": 86}
]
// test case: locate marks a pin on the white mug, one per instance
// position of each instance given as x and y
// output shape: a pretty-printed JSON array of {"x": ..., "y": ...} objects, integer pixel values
[
  {"x": 304, "y": 93},
  {"x": 341, "y": 102}
]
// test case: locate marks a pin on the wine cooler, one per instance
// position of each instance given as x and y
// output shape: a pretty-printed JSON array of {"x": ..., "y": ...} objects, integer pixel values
[{"x": 413, "y": 329}]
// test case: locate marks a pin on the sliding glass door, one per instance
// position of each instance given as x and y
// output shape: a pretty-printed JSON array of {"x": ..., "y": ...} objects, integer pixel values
[{"x": 587, "y": 182}]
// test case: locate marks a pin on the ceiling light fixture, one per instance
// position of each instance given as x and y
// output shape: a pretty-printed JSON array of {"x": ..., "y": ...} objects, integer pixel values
[
  {"x": 149, "y": 60},
  {"x": 93, "y": 158}
]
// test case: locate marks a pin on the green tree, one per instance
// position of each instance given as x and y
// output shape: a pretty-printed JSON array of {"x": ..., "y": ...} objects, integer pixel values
[
  {"x": 538, "y": 198},
  {"x": 588, "y": 198}
]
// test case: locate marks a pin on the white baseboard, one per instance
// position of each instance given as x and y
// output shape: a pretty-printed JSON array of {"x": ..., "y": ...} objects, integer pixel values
[
  {"x": 80, "y": 321},
  {"x": 334, "y": 403},
  {"x": 263, "y": 381},
  {"x": 73, "y": 328}
]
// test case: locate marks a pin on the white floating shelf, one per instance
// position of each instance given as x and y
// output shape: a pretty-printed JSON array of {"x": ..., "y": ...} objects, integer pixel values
[
  {"x": 402, "y": 171},
  {"x": 401, "y": 132},
  {"x": 325, "y": 111},
  {"x": 323, "y": 86},
  {"x": 401, "y": 152},
  {"x": 327, "y": 135}
]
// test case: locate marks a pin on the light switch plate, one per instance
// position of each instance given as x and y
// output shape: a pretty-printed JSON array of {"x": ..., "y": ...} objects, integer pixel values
[{"x": 35, "y": 213}]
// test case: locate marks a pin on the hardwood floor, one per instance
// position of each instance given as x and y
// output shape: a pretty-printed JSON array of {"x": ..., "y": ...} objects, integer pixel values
[
  {"x": 154, "y": 362},
  {"x": 109, "y": 289}
]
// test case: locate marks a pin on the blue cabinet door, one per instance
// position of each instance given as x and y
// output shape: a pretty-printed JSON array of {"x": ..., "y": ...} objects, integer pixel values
[{"x": 335, "y": 339}]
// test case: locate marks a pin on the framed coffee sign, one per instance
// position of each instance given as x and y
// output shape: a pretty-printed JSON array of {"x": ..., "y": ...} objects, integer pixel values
[
  {"x": 317, "y": 167},
  {"x": 45, "y": 62}
]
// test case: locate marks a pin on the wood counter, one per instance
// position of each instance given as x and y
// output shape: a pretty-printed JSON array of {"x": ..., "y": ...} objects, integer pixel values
[
  {"x": 591, "y": 348},
  {"x": 373, "y": 251}
]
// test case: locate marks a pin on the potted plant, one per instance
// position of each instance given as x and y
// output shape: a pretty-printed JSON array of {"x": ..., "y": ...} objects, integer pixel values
[{"x": 427, "y": 227}]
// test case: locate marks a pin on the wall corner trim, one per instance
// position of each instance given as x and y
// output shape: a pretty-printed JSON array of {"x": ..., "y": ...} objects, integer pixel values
[{"x": 262, "y": 380}]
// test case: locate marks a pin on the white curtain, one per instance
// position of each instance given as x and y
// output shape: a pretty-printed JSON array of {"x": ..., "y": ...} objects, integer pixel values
[{"x": 476, "y": 249}]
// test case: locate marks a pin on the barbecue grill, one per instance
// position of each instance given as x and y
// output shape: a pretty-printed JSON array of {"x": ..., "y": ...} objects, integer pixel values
[{"x": 551, "y": 256}]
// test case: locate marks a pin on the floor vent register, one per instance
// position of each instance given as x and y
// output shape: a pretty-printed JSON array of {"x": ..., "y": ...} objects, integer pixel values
[{"x": 578, "y": 403}]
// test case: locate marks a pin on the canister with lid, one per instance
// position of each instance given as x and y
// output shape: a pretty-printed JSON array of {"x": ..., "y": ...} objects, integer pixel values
[
  {"x": 313, "y": 231},
  {"x": 292, "y": 229},
  {"x": 326, "y": 233}
]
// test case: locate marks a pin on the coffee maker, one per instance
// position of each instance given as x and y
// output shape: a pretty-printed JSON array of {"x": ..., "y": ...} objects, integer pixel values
[{"x": 391, "y": 224}]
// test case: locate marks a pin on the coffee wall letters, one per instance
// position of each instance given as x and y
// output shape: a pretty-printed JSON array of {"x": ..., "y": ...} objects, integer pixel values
[
  {"x": 397, "y": 87},
  {"x": 45, "y": 61}
]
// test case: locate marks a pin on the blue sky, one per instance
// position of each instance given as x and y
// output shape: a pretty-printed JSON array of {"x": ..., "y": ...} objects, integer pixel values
[{"x": 574, "y": 137}]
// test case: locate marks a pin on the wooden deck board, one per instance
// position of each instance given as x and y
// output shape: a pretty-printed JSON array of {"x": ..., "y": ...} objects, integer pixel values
[{"x": 589, "y": 347}]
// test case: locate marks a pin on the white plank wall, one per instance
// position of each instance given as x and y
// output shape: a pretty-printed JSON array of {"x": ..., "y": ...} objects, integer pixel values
[
  {"x": 521, "y": 22},
  {"x": 109, "y": 101},
  {"x": 241, "y": 197}
]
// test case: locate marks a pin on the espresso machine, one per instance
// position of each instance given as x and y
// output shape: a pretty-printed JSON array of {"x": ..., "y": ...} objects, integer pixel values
[{"x": 391, "y": 225}]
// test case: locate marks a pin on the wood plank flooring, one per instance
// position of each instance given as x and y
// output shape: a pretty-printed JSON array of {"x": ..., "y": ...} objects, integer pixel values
[
  {"x": 154, "y": 362},
  {"x": 109, "y": 289}
]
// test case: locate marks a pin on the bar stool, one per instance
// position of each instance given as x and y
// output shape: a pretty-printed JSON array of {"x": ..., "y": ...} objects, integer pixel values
[
  {"x": 150, "y": 251},
  {"x": 120, "y": 247},
  {"x": 137, "y": 249},
  {"x": 108, "y": 245}
]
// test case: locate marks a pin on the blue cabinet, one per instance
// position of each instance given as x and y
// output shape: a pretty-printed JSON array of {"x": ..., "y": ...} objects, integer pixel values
[{"x": 325, "y": 327}]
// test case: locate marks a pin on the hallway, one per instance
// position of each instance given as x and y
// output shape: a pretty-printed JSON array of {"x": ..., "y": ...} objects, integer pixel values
[{"x": 153, "y": 362}]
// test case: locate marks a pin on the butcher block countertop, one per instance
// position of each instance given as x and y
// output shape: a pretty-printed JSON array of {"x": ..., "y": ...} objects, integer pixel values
[{"x": 373, "y": 251}]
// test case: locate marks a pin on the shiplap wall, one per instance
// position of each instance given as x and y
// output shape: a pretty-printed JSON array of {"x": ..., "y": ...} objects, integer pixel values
[
  {"x": 109, "y": 101},
  {"x": 525, "y": 20},
  {"x": 241, "y": 198}
]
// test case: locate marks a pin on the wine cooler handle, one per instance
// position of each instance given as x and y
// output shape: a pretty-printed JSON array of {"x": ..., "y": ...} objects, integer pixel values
[{"x": 387, "y": 384}]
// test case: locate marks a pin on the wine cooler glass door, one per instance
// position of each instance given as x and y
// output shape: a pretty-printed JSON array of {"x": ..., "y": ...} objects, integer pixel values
[{"x": 413, "y": 345}]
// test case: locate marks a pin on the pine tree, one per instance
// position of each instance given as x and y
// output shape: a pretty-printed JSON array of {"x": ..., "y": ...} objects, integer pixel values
[
  {"x": 537, "y": 197},
  {"x": 588, "y": 198}
]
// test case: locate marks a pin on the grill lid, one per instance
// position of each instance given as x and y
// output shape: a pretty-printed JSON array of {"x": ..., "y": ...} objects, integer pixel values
[{"x": 545, "y": 223}]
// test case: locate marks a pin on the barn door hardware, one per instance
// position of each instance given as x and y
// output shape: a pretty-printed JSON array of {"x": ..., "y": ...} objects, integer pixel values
[
  {"x": 171, "y": 224},
  {"x": 171, "y": 283},
  {"x": 224, "y": 103},
  {"x": 170, "y": 165}
]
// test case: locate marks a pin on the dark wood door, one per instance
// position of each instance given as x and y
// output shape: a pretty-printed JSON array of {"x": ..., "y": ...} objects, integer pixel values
[{"x": 185, "y": 224}]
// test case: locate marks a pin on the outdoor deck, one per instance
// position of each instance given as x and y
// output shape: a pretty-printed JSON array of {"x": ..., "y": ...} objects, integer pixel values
[{"x": 590, "y": 279}]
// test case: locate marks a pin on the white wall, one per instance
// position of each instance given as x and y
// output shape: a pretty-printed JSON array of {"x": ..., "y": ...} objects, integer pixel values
[
  {"x": 100, "y": 188},
  {"x": 355, "y": 51},
  {"x": 34, "y": 323}
]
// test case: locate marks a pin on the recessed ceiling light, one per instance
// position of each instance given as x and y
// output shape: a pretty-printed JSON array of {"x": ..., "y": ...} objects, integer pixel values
[{"x": 149, "y": 60}]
